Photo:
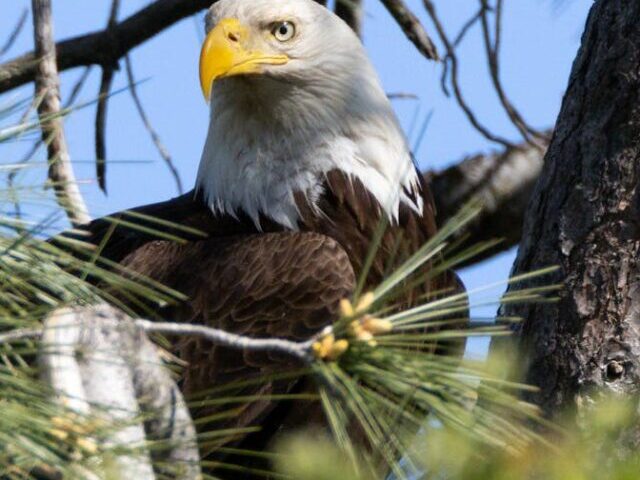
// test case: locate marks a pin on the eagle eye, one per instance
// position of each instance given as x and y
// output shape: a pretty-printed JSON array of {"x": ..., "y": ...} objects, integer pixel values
[{"x": 283, "y": 31}]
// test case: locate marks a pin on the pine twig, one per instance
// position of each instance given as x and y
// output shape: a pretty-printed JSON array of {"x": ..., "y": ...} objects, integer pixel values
[
  {"x": 48, "y": 87},
  {"x": 492, "y": 50},
  {"x": 20, "y": 334}
]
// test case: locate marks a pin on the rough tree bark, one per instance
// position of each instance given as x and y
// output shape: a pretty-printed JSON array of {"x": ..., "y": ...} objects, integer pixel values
[{"x": 584, "y": 216}]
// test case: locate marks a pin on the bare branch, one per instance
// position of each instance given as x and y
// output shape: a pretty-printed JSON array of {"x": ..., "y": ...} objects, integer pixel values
[
  {"x": 104, "y": 46},
  {"x": 113, "y": 13},
  {"x": 13, "y": 36},
  {"x": 456, "y": 43},
  {"x": 503, "y": 182},
  {"x": 108, "y": 71},
  {"x": 300, "y": 350},
  {"x": 452, "y": 59},
  {"x": 411, "y": 27},
  {"x": 101, "y": 123},
  {"x": 48, "y": 88},
  {"x": 351, "y": 12},
  {"x": 465, "y": 28},
  {"x": 164, "y": 153},
  {"x": 492, "y": 51}
]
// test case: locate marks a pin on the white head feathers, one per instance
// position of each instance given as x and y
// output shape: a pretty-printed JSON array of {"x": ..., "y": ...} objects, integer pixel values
[{"x": 281, "y": 131}]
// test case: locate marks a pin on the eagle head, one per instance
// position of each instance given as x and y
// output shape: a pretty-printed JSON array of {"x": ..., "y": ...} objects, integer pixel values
[{"x": 293, "y": 96}]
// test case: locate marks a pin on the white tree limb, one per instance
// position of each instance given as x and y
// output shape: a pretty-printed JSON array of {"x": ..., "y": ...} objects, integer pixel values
[
  {"x": 48, "y": 89},
  {"x": 102, "y": 364}
]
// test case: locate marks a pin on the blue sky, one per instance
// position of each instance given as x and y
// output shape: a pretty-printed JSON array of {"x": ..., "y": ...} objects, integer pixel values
[{"x": 540, "y": 40}]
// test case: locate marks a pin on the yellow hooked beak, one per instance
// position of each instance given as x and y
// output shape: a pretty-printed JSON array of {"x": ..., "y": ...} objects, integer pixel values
[{"x": 227, "y": 51}]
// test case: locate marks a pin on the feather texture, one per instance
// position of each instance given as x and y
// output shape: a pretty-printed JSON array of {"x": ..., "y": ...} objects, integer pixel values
[{"x": 280, "y": 132}]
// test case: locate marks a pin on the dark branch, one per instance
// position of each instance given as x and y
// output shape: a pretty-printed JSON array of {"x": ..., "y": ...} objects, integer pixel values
[
  {"x": 101, "y": 126},
  {"x": 412, "y": 28},
  {"x": 351, "y": 12},
  {"x": 104, "y": 47},
  {"x": 108, "y": 73},
  {"x": 164, "y": 153},
  {"x": 503, "y": 182},
  {"x": 452, "y": 61},
  {"x": 492, "y": 49},
  {"x": 583, "y": 217}
]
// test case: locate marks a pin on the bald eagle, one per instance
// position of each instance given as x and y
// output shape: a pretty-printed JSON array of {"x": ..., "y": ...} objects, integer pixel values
[{"x": 303, "y": 159}]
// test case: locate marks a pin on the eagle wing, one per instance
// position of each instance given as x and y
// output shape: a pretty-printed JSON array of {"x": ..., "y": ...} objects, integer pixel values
[{"x": 278, "y": 284}]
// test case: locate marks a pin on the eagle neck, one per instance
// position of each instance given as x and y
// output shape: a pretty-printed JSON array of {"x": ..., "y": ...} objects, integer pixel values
[{"x": 269, "y": 144}]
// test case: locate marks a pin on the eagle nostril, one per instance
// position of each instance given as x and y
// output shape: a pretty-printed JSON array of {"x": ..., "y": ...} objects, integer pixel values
[{"x": 232, "y": 36}]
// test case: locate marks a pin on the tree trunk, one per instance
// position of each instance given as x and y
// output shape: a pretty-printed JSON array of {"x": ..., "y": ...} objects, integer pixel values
[{"x": 584, "y": 216}]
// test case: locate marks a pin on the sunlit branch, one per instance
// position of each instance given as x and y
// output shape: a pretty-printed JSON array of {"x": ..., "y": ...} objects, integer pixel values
[{"x": 48, "y": 88}]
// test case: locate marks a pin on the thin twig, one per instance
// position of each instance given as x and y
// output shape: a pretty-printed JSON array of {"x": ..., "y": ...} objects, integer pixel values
[
  {"x": 492, "y": 51},
  {"x": 466, "y": 27},
  {"x": 48, "y": 86},
  {"x": 101, "y": 122},
  {"x": 13, "y": 36},
  {"x": 456, "y": 43},
  {"x": 300, "y": 350},
  {"x": 164, "y": 153},
  {"x": 402, "y": 96},
  {"x": 497, "y": 35},
  {"x": 412, "y": 28},
  {"x": 108, "y": 70},
  {"x": 453, "y": 59}
]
